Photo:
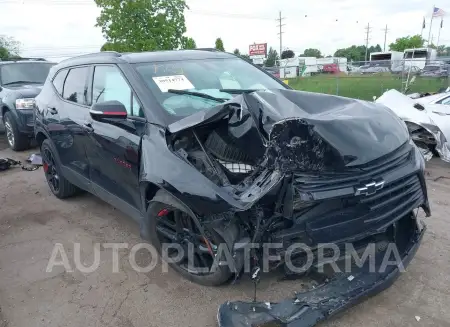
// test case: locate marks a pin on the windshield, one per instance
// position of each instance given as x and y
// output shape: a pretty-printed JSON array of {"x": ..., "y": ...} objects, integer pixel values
[
  {"x": 207, "y": 76},
  {"x": 24, "y": 73}
]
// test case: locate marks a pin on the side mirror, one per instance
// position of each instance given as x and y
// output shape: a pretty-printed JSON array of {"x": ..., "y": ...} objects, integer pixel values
[{"x": 108, "y": 109}]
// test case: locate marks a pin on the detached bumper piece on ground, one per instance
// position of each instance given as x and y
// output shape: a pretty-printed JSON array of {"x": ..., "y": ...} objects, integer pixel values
[{"x": 340, "y": 292}]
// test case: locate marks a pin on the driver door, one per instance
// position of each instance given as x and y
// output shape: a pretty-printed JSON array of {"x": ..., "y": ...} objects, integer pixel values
[{"x": 113, "y": 150}]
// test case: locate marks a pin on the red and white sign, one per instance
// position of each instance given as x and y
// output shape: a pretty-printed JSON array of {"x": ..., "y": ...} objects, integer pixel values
[{"x": 257, "y": 49}]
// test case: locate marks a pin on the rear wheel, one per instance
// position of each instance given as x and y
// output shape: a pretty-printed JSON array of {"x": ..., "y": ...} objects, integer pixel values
[
  {"x": 59, "y": 186},
  {"x": 174, "y": 227},
  {"x": 16, "y": 140}
]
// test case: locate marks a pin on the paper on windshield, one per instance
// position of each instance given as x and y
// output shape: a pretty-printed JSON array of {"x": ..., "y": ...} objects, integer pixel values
[{"x": 175, "y": 82}]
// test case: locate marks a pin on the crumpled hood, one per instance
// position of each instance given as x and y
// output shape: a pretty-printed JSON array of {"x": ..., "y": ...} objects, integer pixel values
[{"x": 308, "y": 131}]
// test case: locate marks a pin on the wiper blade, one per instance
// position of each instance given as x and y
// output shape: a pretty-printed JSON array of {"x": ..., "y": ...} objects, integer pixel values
[
  {"x": 21, "y": 82},
  {"x": 197, "y": 94},
  {"x": 238, "y": 91}
]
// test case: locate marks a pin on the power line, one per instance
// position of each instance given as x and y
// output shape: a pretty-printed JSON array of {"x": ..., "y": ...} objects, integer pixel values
[
  {"x": 280, "y": 25},
  {"x": 368, "y": 29},
  {"x": 385, "y": 35}
]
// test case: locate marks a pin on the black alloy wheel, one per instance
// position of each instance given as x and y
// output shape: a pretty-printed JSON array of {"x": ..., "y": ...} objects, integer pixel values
[{"x": 198, "y": 261}]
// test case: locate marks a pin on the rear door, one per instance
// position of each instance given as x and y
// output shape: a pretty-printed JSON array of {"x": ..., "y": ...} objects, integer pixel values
[
  {"x": 113, "y": 149},
  {"x": 66, "y": 115}
]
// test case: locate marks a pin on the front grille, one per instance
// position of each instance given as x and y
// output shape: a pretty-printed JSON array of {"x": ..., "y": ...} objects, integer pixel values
[
  {"x": 354, "y": 215},
  {"x": 306, "y": 183}
]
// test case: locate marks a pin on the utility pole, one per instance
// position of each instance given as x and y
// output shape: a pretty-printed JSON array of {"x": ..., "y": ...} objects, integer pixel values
[
  {"x": 385, "y": 35},
  {"x": 280, "y": 25},
  {"x": 367, "y": 39}
]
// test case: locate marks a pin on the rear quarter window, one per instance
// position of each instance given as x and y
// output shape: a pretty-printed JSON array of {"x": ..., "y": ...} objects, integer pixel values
[
  {"x": 58, "y": 80},
  {"x": 75, "y": 86}
]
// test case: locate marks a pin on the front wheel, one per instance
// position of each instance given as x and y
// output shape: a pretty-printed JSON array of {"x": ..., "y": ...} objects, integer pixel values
[
  {"x": 195, "y": 261},
  {"x": 16, "y": 140}
]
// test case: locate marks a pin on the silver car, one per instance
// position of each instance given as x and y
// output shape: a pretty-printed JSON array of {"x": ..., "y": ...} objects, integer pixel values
[{"x": 427, "y": 119}]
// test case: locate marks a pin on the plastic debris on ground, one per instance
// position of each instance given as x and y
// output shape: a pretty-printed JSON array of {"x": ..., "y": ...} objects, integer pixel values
[{"x": 35, "y": 159}]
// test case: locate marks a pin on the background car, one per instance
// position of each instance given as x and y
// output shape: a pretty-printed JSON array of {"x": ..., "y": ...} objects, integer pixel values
[
  {"x": 435, "y": 70},
  {"x": 374, "y": 68},
  {"x": 21, "y": 81},
  {"x": 401, "y": 69}
]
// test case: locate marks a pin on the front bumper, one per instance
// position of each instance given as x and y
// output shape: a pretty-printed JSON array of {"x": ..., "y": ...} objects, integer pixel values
[
  {"x": 308, "y": 308},
  {"x": 25, "y": 121}
]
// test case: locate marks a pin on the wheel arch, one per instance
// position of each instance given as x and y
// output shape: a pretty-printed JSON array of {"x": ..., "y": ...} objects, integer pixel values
[
  {"x": 152, "y": 192},
  {"x": 40, "y": 138},
  {"x": 5, "y": 109}
]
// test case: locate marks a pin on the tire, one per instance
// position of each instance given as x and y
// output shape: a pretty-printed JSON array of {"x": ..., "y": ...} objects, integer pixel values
[
  {"x": 220, "y": 276},
  {"x": 65, "y": 189},
  {"x": 16, "y": 140}
]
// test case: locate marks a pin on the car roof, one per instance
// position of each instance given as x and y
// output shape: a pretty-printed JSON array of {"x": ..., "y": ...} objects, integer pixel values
[
  {"x": 141, "y": 57},
  {"x": 26, "y": 62}
]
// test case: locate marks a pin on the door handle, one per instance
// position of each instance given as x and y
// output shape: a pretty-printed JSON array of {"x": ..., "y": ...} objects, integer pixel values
[
  {"x": 53, "y": 111},
  {"x": 88, "y": 126}
]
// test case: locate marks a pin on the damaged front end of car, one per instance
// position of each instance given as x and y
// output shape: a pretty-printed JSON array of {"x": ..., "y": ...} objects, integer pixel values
[
  {"x": 291, "y": 167},
  {"x": 428, "y": 124}
]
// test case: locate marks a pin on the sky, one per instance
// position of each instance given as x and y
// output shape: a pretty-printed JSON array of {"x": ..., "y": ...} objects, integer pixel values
[{"x": 57, "y": 29}]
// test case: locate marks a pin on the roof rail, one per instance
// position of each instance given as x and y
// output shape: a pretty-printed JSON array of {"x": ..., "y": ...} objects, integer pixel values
[
  {"x": 96, "y": 54},
  {"x": 207, "y": 49}
]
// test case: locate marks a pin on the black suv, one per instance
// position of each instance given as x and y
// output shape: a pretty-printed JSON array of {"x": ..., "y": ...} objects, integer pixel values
[
  {"x": 204, "y": 150},
  {"x": 20, "y": 82}
]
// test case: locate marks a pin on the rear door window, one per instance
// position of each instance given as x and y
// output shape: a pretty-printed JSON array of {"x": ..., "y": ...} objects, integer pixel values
[{"x": 75, "y": 87}]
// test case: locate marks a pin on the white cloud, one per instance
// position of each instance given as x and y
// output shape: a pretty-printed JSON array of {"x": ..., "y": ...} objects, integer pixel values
[{"x": 61, "y": 28}]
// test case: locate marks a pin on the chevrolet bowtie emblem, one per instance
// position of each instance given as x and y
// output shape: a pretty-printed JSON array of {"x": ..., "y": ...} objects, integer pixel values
[{"x": 370, "y": 188}]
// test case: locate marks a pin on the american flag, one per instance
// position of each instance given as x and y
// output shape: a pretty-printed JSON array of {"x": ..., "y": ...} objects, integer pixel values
[{"x": 438, "y": 12}]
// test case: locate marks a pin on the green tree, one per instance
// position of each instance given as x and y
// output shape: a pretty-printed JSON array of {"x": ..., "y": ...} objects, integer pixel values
[
  {"x": 142, "y": 25},
  {"x": 441, "y": 50},
  {"x": 188, "y": 43},
  {"x": 9, "y": 47},
  {"x": 407, "y": 42},
  {"x": 287, "y": 54},
  {"x": 356, "y": 52},
  {"x": 272, "y": 57},
  {"x": 312, "y": 53},
  {"x": 237, "y": 52},
  {"x": 444, "y": 51},
  {"x": 219, "y": 44}
]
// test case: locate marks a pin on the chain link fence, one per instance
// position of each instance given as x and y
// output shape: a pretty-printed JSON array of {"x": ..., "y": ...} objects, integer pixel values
[{"x": 365, "y": 80}]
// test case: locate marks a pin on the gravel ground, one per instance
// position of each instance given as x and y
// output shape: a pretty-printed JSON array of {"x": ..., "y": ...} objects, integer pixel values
[{"x": 32, "y": 221}]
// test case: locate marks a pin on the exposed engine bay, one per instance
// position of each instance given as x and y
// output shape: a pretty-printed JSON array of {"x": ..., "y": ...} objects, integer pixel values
[{"x": 296, "y": 167}]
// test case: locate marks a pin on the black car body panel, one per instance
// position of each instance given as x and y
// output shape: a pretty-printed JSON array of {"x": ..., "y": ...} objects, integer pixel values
[{"x": 290, "y": 166}]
